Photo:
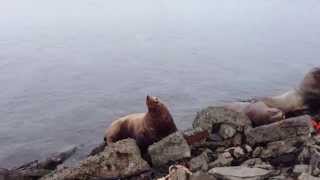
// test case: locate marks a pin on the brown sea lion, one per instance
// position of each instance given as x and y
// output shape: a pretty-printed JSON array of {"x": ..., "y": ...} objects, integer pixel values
[
  {"x": 145, "y": 128},
  {"x": 307, "y": 95},
  {"x": 259, "y": 113},
  {"x": 310, "y": 89}
]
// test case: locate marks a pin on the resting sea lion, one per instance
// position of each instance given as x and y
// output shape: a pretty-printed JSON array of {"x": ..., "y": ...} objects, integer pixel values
[
  {"x": 145, "y": 128},
  {"x": 259, "y": 113},
  {"x": 310, "y": 89},
  {"x": 287, "y": 102},
  {"x": 307, "y": 95}
]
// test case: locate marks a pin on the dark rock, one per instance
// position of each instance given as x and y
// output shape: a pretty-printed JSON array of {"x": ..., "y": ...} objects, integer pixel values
[
  {"x": 196, "y": 136},
  {"x": 288, "y": 128},
  {"x": 118, "y": 160},
  {"x": 212, "y": 117},
  {"x": 98, "y": 149},
  {"x": 252, "y": 162},
  {"x": 240, "y": 173},
  {"x": 171, "y": 148},
  {"x": 282, "y": 152}
]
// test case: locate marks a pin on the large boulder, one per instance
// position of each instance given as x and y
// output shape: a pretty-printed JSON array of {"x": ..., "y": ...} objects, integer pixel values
[
  {"x": 288, "y": 128},
  {"x": 118, "y": 160},
  {"x": 240, "y": 173},
  {"x": 212, "y": 117},
  {"x": 171, "y": 148}
]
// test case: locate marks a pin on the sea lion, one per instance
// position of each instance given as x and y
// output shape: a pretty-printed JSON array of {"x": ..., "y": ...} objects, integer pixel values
[
  {"x": 310, "y": 89},
  {"x": 290, "y": 101},
  {"x": 259, "y": 113},
  {"x": 307, "y": 95},
  {"x": 145, "y": 128}
]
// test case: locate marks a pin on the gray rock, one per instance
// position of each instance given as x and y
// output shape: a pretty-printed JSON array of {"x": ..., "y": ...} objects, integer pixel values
[
  {"x": 248, "y": 148},
  {"x": 306, "y": 176},
  {"x": 252, "y": 162},
  {"x": 171, "y": 148},
  {"x": 224, "y": 159},
  {"x": 226, "y": 131},
  {"x": 237, "y": 140},
  {"x": 118, "y": 160},
  {"x": 257, "y": 151},
  {"x": 278, "y": 148},
  {"x": 315, "y": 163},
  {"x": 237, "y": 152},
  {"x": 212, "y": 116},
  {"x": 288, "y": 128},
  {"x": 300, "y": 168},
  {"x": 199, "y": 163},
  {"x": 282, "y": 152},
  {"x": 202, "y": 176},
  {"x": 304, "y": 156},
  {"x": 240, "y": 173}
]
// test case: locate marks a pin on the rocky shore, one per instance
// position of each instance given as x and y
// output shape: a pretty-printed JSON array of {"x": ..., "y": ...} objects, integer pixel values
[{"x": 222, "y": 144}]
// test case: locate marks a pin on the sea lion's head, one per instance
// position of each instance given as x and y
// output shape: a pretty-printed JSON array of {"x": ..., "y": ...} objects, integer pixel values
[
  {"x": 153, "y": 103},
  {"x": 156, "y": 107}
]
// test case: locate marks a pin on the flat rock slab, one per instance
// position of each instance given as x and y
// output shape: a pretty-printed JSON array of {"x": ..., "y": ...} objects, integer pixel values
[
  {"x": 288, "y": 128},
  {"x": 118, "y": 160},
  {"x": 240, "y": 173},
  {"x": 171, "y": 148},
  {"x": 211, "y": 116}
]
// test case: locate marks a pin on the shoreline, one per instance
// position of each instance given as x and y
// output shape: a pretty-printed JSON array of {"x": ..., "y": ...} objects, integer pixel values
[{"x": 224, "y": 139}]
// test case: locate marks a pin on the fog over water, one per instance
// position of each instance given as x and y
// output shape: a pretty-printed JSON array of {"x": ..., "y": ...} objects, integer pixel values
[{"x": 68, "y": 68}]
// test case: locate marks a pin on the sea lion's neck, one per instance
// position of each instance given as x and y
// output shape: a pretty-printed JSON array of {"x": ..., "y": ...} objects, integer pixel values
[{"x": 157, "y": 117}]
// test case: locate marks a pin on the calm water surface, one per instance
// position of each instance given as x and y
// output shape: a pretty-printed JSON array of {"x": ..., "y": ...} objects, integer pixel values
[{"x": 68, "y": 68}]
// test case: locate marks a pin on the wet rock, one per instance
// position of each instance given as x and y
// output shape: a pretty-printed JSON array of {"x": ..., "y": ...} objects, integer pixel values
[
  {"x": 210, "y": 117},
  {"x": 171, "y": 148},
  {"x": 97, "y": 149},
  {"x": 240, "y": 173},
  {"x": 226, "y": 131},
  {"x": 196, "y": 136},
  {"x": 118, "y": 160},
  {"x": 224, "y": 159},
  {"x": 288, "y": 128},
  {"x": 36, "y": 169}
]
